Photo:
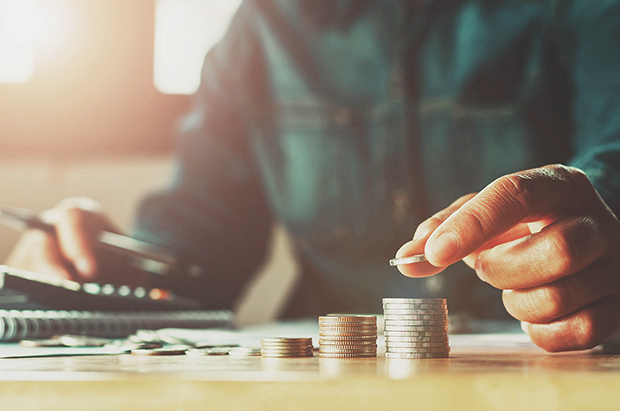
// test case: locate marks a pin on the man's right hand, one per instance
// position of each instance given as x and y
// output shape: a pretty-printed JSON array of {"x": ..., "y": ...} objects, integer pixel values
[{"x": 70, "y": 253}]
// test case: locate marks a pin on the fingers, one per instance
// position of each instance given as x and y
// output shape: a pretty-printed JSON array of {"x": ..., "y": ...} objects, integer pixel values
[
  {"x": 580, "y": 330},
  {"x": 543, "y": 193},
  {"x": 424, "y": 230},
  {"x": 549, "y": 302},
  {"x": 38, "y": 251},
  {"x": 515, "y": 233},
  {"x": 76, "y": 230},
  {"x": 559, "y": 250}
]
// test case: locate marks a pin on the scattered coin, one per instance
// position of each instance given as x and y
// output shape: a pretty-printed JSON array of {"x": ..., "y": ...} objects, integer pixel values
[
  {"x": 160, "y": 351},
  {"x": 202, "y": 352},
  {"x": 244, "y": 351},
  {"x": 50, "y": 342},
  {"x": 83, "y": 341}
]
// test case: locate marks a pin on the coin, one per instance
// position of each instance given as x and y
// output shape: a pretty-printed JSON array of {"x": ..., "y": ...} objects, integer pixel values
[
  {"x": 207, "y": 351},
  {"x": 399, "y": 355},
  {"x": 284, "y": 345},
  {"x": 414, "y": 306},
  {"x": 415, "y": 312},
  {"x": 409, "y": 328},
  {"x": 416, "y": 345},
  {"x": 286, "y": 340},
  {"x": 389, "y": 323},
  {"x": 244, "y": 351},
  {"x": 159, "y": 351},
  {"x": 347, "y": 318},
  {"x": 418, "y": 258},
  {"x": 347, "y": 342},
  {"x": 415, "y": 301},
  {"x": 372, "y": 337},
  {"x": 83, "y": 341},
  {"x": 344, "y": 355},
  {"x": 416, "y": 317},
  {"x": 51, "y": 342},
  {"x": 418, "y": 349},
  {"x": 416, "y": 339}
]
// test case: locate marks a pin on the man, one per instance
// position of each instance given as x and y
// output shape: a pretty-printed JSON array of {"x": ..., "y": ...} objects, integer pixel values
[{"x": 351, "y": 121}]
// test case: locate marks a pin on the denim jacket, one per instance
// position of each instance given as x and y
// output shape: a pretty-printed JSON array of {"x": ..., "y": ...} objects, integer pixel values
[{"x": 351, "y": 121}]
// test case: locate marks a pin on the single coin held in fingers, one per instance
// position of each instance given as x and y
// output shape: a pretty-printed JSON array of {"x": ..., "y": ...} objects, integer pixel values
[{"x": 408, "y": 260}]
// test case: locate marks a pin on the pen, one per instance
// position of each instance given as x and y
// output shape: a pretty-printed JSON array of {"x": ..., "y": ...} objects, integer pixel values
[{"x": 158, "y": 260}]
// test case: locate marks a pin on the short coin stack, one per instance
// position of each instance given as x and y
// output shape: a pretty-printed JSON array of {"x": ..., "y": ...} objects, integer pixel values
[
  {"x": 347, "y": 336},
  {"x": 416, "y": 327},
  {"x": 283, "y": 347}
]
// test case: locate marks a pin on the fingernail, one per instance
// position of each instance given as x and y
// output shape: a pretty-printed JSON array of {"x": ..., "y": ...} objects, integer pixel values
[
  {"x": 420, "y": 232},
  {"x": 84, "y": 267},
  {"x": 404, "y": 250},
  {"x": 443, "y": 247}
]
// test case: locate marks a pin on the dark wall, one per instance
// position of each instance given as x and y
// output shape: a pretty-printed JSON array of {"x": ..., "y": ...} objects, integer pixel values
[{"x": 95, "y": 96}]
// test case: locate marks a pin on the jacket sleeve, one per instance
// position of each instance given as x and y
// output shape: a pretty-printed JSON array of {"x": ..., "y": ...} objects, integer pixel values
[
  {"x": 594, "y": 31},
  {"x": 215, "y": 213}
]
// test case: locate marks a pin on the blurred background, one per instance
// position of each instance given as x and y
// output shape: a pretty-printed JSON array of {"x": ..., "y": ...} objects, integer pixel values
[{"x": 90, "y": 94}]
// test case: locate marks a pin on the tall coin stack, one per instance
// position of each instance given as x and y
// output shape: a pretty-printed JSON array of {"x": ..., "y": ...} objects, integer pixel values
[
  {"x": 347, "y": 336},
  {"x": 283, "y": 347},
  {"x": 416, "y": 327}
]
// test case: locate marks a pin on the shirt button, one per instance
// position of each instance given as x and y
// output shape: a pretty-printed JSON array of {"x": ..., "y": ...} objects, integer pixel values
[{"x": 400, "y": 206}]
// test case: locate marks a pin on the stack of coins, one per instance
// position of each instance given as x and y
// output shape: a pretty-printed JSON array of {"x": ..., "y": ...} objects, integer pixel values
[
  {"x": 283, "y": 347},
  {"x": 416, "y": 327},
  {"x": 347, "y": 336}
]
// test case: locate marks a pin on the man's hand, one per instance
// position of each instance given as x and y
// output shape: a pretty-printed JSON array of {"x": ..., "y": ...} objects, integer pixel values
[
  {"x": 547, "y": 239},
  {"x": 69, "y": 254}
]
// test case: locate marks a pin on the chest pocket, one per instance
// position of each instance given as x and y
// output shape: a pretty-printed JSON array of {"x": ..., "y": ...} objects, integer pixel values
[{"x": 306, "y": 167}]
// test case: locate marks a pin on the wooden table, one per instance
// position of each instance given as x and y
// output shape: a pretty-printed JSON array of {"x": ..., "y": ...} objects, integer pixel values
[{"x": 472, "y": 379}]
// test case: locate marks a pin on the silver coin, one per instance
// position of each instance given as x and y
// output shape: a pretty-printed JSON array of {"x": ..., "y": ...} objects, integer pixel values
[
  {"x": 399, "y": 344},
  {"x": 348, "y": 334},
  {"x": 160, "y": 351},
  {"x": 244, "y": 351},
  {"x": 396, "y": 333},
  {"x": 347, "y": 350},
  {"x": 418, "y": 258},
  {"x": 416, "y": 339},
  {"x": 415, "y": 301},
  {"x": 348, "y": 318},
  {"x": 204, "y": 352},
  {"x": 346, "y": 327},
  {"x": 277, "y": 350},
  {"x": 414, "y": 328},
  {"x": 296, "y": 346},
  {"x": 338, "y": 355},
  {"x": 415, "y": 312},
  {"x": 416, "y": 317},
  {"x": 419, "y": 323},
  {"x": 303, "y": 355},
  {"x": 349, "y": 338},
  {"x": 287, "y": 340},
  {"x": 421, "y": 307},
  {"x": 83, "y": 341},
  {"x": 399, "y": 355},
  {"x": 347, "y": 342},
  {"x": 51, "y": 342},
  {"x": 418, "y": 349}
]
